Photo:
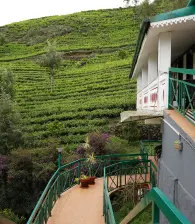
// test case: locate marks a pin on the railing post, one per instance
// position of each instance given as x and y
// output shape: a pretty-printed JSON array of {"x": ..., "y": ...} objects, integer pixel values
[
  {"x": 59, "y": 183},
  {"x": 121, "y": 172},
  {"x": 79, "y": 169},
  {"x": 155, "y": 213},
  {"x": 169, "y": 91}
]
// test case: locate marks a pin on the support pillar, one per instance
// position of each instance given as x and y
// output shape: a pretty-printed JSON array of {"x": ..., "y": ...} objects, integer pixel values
[{"x": 164, "y": 63}]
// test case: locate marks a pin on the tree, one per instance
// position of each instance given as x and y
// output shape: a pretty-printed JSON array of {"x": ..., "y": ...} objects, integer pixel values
[
  {"x": 10, "y": 133},
  {"x": 141, "y": 9},
  {"x": 52, "y": 61},
  {"x": 7, "y": 83}
]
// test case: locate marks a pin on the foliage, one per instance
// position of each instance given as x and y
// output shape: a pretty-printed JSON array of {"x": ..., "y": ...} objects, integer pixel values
[
  {"x": 97, "y": 142},
  {"x": 10, "y": 133},
  {"x": 20, "y": 184},
  {"x": 144, "y": 217},
  {"x": 2, "y": 39},
  {"x": 123, "y": 211},
  {"x": 91, "y": 161},
  {"x": 51, "y": 60},
  {"x": 85, "y": 98},
  {"x": 7, "y": 83},
  {"x": 122, "y": 54},
  {"x": 125, "y": 199},
  {"x": 145, "y": 9},
  {"x": 7, "y": 213},
  {"x": 118, "y": 145},
  {"x": 83, "y": 177},
  {"x": 129, "y": 131},
  {"x": 24, "y": 177}
]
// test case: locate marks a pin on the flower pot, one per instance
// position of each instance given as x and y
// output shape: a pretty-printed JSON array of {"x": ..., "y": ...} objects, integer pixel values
[
  {"x": 92, "y": 180},
  {"x": 84, "y": 182}
]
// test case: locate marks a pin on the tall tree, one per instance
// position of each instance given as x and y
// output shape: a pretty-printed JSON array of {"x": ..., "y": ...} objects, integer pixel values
[
  {"x": 10, "y": 133},
  {"x": 52, "y": 61},
  {"x": 7, "y": 83}
]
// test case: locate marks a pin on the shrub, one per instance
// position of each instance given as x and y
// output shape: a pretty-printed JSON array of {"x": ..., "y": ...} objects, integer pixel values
[
  {"x": 8, "y": 214},
  {"x": 122, "y": 54},
  {"x": 97, "y": 142},
  {"x": 2, "y": 39},
  {"x": 20, "y": 184},
  {"x": 81, "y": 150}
]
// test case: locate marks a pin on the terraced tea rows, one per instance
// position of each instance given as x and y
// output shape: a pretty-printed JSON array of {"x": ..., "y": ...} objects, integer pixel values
[
  {"x": 85, "y": 30},
  {"x": 91, "y": 87}
]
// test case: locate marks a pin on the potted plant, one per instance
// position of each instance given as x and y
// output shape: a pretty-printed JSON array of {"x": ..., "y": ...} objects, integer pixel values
[
  {"x": 91, "y": 161},
  {"x": 83, "y": 180}
]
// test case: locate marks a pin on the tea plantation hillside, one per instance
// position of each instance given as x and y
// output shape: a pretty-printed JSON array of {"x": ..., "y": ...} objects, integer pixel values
[{"x": 92, "y": 86}]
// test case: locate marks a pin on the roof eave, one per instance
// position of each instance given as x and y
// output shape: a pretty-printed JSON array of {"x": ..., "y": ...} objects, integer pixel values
[
  {"x": 190, "y": 10},
  {"x": 143, "y": 31}
]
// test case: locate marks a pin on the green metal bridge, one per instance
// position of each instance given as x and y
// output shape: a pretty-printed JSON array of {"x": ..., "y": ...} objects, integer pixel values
[{"x": 113, "y": 172}]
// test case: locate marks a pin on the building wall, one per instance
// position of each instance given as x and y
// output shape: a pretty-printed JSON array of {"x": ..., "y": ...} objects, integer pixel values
[{"x": 177, "y": 169}]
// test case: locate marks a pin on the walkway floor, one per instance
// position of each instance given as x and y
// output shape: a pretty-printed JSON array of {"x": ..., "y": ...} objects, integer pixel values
[
  {"x": 186, "y": 125},
  {"x": 78, "y": 205}
]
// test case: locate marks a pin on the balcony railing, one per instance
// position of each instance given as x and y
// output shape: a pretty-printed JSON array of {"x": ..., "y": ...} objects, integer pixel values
[{"x": 182, "y": 91}]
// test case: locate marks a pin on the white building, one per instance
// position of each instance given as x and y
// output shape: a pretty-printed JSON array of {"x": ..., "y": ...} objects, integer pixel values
[
  {"x": 165, "y": 41},
  {"x": 164, "y": 66}
]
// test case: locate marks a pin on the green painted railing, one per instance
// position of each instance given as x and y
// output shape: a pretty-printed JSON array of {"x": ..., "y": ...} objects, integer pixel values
[
  {"x": 182, "y": 92},
  {"x": 123, "y": 173},
  {"x": 63, "y": 179},
  {"x": 160, "y": 203}
]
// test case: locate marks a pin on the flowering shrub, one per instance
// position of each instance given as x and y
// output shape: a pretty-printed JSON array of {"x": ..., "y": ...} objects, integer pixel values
[
  {"x": 94, "y": 143},
  {"x": 97, "y": 141},
  {"x": 81, "y": 150}
]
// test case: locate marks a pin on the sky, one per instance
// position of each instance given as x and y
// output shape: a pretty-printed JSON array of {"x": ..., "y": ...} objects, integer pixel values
[{"x": 18, "y": 10}]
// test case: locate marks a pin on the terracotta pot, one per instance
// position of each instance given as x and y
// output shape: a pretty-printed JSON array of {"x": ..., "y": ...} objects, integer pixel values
[
  {"x": 84, "y": 182},
  {"x": 92, "y": 180}
]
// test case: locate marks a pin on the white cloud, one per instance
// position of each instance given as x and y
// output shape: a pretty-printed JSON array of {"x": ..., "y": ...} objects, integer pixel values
[{"x": 18, "y": 10}]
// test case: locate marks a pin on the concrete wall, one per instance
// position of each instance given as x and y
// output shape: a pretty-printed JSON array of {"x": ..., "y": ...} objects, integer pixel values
[{"x": 177, "y": 169}]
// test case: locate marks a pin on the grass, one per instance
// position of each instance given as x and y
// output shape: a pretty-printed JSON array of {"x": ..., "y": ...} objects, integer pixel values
[{"x": 143, "y": 218}]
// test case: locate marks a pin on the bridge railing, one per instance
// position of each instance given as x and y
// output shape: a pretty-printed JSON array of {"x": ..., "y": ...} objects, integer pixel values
[{"x": 64, "y": 178}]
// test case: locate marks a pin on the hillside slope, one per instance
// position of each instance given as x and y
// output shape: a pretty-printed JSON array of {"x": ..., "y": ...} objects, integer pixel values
[{"x": 92, "y": 85}]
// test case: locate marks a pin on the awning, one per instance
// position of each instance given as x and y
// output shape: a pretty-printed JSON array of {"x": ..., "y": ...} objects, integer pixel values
[{"x": 128, "y": 116}]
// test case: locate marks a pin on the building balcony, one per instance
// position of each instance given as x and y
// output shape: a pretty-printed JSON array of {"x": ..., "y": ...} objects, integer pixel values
[{"x": 182, "y": 92}]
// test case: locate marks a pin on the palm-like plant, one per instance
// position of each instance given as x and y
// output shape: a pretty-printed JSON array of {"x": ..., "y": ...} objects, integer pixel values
[{"x": 91, "y": 161}]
